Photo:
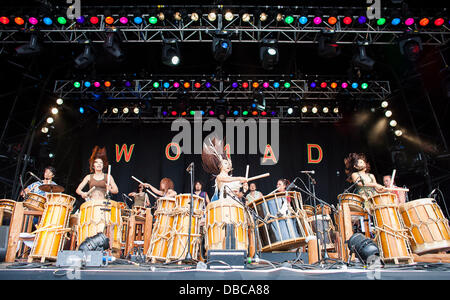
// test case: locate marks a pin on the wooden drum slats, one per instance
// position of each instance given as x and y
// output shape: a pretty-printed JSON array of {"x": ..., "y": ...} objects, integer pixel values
[{"x": 428, "y": 228}]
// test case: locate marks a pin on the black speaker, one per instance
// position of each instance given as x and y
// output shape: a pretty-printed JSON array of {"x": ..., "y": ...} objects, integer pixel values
[{"x": 4, "y": 230}]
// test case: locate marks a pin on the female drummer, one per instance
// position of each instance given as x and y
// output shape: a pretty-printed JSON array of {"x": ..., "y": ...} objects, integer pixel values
[
  {"x": 198, "y": 190},
  {"x": 97, "y": 162},
  {"x": 140, "y": 197},
  {"x": 166, "y": 188},
  {"x": 219, "y": 165},
  {"x": 357, "y": 168}
]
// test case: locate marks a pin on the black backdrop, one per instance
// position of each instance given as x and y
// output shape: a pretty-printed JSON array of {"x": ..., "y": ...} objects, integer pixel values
[{"x": 149, "y": 163}]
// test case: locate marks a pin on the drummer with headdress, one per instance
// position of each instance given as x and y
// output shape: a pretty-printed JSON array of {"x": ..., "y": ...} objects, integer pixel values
[
  {"x": 215, "y": 162},
  {"x": 97, "y": 178}
]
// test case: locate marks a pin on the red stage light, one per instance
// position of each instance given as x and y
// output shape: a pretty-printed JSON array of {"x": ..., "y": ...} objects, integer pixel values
[
  {"x": 4, "y": 20},
  {"x": 347, "y": 20},
  {"x": 94, "y": 20},
  {"x": 245, "y": 85},
  {"x": 439, "y": 21},
  {"x": 174, "y": 113},
  {"x": 323, "y": 85},
  {"x": 197, "y": 85}
]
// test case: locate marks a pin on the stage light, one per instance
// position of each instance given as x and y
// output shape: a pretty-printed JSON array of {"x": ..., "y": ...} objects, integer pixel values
[
  {"x": 361, "y": 59},
  {"x": 245, "y": 85},
  {"x": 164, "y": 113},
  {"x": 354, "y": 85},
  {"x": 170, "y": 53},
  {"x": 384, "y": 104},
  {"x": 411, "y": 47},
  {"x": 153, "y": 20},
  {"x": 290, "y": 111},
  {"x": 109, "y": 20},
  {"x": 136, "y": 110},
  {"x": 381, "y": 21},
  {"x": 54, "y": 111},
  {"x": 344, "y": 85},
  {"x": 303, "y": 20},
  {"x": 44, "y": 130},
  {"x": 276, "y": 85},
  {"x": 4, "y": 20},
  {"x": 125, "y": 110},
  {"x": 177, "y": 16},
  {"x": 317, "y": 20},
  {"x": 127, "y": 83},
  {"x": 123, "y": 20},
  {"x": 336, "y": 110},
  {"x": 364, "y": 85},
  {"x": 107, "y": 83},
  {"x": 137, "y": 20},
  {"x": 86, "y": 58},
  {"x": 111, "y": 46},
  {"x": 395, "y": 21},
  {"x": 265, "y": 85},
  {"x": 19, "y": 21},
  {"x": 94, "y": 20},
  {"x": 333, "y": 85},
  {"x": 221, "y": 47},
  {"x": 314, "y": 110},
  {"x": 255, "y": 84},
  {"x": 362, "y": 19},
  {"x": 263, "y": 17},
  {"x": 156, "y": 84},
  {"x": 409, "y": 21},
  {"x": 33, "y": 20},
  {"x": 388, "y": 113},
  {"x": 312, "y": 84},
  {"x": 212, "y": 16},
  {"x": 208, "y": 85},
  {"x": 287, "y": 85},
  {"x": 160, "y": 16},
  {"x": 245, "y": 112},
  {"x": 97, "y": 84},
  {"x": 195, "y": 17},
  {"x": 59, "y": 101},
  {"x": 279, "y": 17},
  {"x": 398, "y": 132},
  {"x": 98, "y": 242},
  {"x": 439, "y": 22},
  {"x": 348, "y": 20},
  {"x": 234, "y": 85},
  {"x": 176, "y": 85},
  {"x": 197, "y": 85},
  {"x": 192, "y": 112},
  {"x": 393, "y": 123},
  {"x": 304, "y": 109},
  {"x": 365, "y": 249},
  {"x": 323, "y": 85},
  {"x": 228, "y": 15},
  {"x": 50, "y": 155},
  {"x": 183, "y": 113},
  {"x": 235, "y": 112},
  {"x": 424, "y": 21},
  {"x": 50, "y": 120},
  {"x": 32, "y": 47},
  {"x": 255, "y": 113},
  {"x": 115, "y": 110},
  {"x": 268, "y": 54},
  {"x": 327, "y": 47},
  {"x": 332, "y": 20},
  {"x": 80, "y": 20},
  {"x": 325, "y": 110},
  {"x": 187, "y": 85},
  {"x": 289, "y": 20},
  {"x": 166, "y": 85},
  {"x": 174, "y": 113},
  {"x": 77, "y": 84},
  {"x": 246, "y": 17},
  {"x": 211, "y": 113},
  {"x": 62, "y": 20},
  {"x": 81, "y": 110}
]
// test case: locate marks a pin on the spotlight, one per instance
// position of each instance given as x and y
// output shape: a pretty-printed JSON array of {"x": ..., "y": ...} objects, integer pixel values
[
  {"x": 411, "y": 47},
  {"x": 81, "y": 110},
  {"x": 263, "y": 17},
  {"x": 54, "y": 111},
  {"x": 393, "y": 123},
  {"x": 314, "y": 110},
  {"x": 98, "y": 242},
  {"x": 384, "y": 104},
  {"x": 304, "y": 109},
  {"x": 398, "y": 132},
  {"x": 125, "y": 110},
  {"x": 361, "y": 59},
  {"x": 212, "y": 16},
  {"x": 365, "y": 249},
  {"x": 325, "y": 110},
  {"x": 268, "y": 54},
  {"x": 177, "y": 16},
  {"x": 228, "y": 15},
  {"x": 336, "y": 110},
  {"x": 115, "y": 110},
  {"x": 50, "y": 155},
  {"x": 59, "y": 101},
  {"x": 290, "y": 111},
  {"x": 246, "y": 17},
  {"x": 86, "y": 58},
  {"x": 161, "y": 16},
  {"x": 221, "y": 47},
  {"x": 50, "y": 120},
  {"x": 111, "y": 46},
  {"x": 136, "y": 110},
  {"x": 195, "y": 17},
  {"x": 388, "y": 113},
  {"x": 44, "y": 129},
  {"x": 170, "y": 53},
  {"x": 327, "y": 47},
  {"x": 32, "y": 47}
]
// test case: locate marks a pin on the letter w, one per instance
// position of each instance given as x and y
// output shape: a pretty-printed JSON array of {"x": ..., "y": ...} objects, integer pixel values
[{"x": 125, "y": 151}]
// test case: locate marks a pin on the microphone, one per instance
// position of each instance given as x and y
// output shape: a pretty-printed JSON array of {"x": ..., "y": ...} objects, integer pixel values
[
  {"x": 432, "y": 192},
  {"x": 308, "y": 172},
  {"x": 32, "y": 174},
  {"x": 189, "y": 168},
  {"x": 292, "y": 185}
]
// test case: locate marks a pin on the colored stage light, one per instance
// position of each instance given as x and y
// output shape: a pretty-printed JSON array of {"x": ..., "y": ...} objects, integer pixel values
[
  {"x": 289, "y": 19},
  {"x": 273, "y": 113},
  {"x": 381, "y": 21},
  {"x": 174, "y": 113},
  {"x": 333, "y": 85},
  {"x": 94, "y": 20},
  {"x": 395, "y": 21},
  {"x": 166, "y": 85},
  {"x": 354, "y": 85},
  {"x": 276, "y": 85},
  {"x": 323, "y": 85},
  {"x": 388, "y": 114},
  {"x": 176, "y": 85},
  {"x": 123, "y": 20},
  {"x": 409, "y": 21},
  {"x": 87, "y": 84},
  {"x": 255, "y": 85},
  {"x": 197, "y": 85},
  {"x": 439, "y": 22},
  {"x": 97, "y": 84},
  {"x": 107, "y": 83},
  {"x": 317, "y": 20},
  {"x": 153, "y": 20},
  {"x": 156, "y": 84},
  {"x": 424, "y": 21},
  {"x": 235, "y": 112},
  {"x": 208, "y": 85},
  {"x": 255, "y": 113},
  {"x": 211, "y": 113},
  {"x": 79, "y": 20},
  {"x": 287, "y": 85},
  {"x": 332, "y": 20},
  {"x": 192, "y": 112},
  {"x": 362, "y": 19},
  {"x": 398, "y": 133},
  {"x": 393, "y": 123},
  {"x": 127, "y": 83},
  {"x": 109, "y": 20},
  {"x": 62, "y": 20},
  {"x": 187, "y": 85},
  {"x": 137, "y": 20},
  {"x": 164, "y": 113},
  {"x": 4, "y": 20},
  {"x": 183, "y": 113},
  {"x": 265, "y": 85},
  {"x": 234, "y": 85},
  {"x": 33, "y": 20},
  {"x": 312, "y": 84},
  {"x": 19, "y": 21},
  {"x": 344, "y": 85},
  {"x": 59, "y": 101},
  {"x": 254, "y": 104},
  {"x": 48, "y": 21},
  {"x": 348, "y": 20},
  {"x": 364, "y": 86},
  {"x": 245, "y": 85},
  {"x": 76, "y": 84},
  {"x": 245, "y": 112},
  {"x": 303, "y": 20}
]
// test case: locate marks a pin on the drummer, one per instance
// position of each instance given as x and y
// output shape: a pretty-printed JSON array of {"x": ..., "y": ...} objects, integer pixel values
[
  {"x": 97, "y": 162},
  {"x": 401, "y": 195},
  {"x": 253, "y": 194},
  {"x": 166, "y": 188},
  {"x": 198, "y": 190},
  {"x": 140, "y": 197},
  {"x": 49, "y": 174}
]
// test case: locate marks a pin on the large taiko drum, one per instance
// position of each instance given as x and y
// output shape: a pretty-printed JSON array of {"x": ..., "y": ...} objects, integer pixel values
[
  {"x": 429, "y": 229},
  {"x": 355, "y": 202},
  {"x": 391, "y": 234},
  {"x": 325, "y": 230},
  {"x": 101, "y": 216},
  {"x": 35, "y": 201},
  {"x": 287, "y": 225},
  {"x": 178, "y": 245},
  {"x": 162, "y": 229},
  {"x": 53, "y": 226},
  {"x": 228, "y": 227},
  {"x": 7, "y": 205}
]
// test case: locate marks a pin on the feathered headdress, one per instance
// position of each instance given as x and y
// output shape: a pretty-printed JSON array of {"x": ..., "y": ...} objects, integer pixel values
[
  {"x": 212, "y": 156},
  {"x": 98, "y": 152}
]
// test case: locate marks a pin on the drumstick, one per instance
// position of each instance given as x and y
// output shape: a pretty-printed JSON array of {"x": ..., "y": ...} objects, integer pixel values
[
  {"x": 258, "y": 177},
  {"x": 109, "y": 175},
  {"x": 91, "y": 190},
  {"x": 146, "y": 188},
  {"x": 246, "y": 172},
  {"x": 273, "y": 191},
  {"x": 392, "y": 178},
  {"x": 397, "y": 189}
]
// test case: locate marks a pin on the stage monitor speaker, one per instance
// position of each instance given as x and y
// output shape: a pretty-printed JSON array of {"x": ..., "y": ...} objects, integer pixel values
[
  {"x": 226, "y": 259},
  {"x": 80, "y": 259},
  {"x": 4, "y": 230}
]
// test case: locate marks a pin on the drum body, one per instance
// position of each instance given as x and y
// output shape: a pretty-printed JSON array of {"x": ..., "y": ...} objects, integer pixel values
[
  {"x": 162, "y": 229},
  {"x": 228, "y": 227},
  {"x": 53, "y": 226},
  {"x": 390, "y": 231},
  {"x": 7, "y": 205},
  {"x": 429, "y": 229},
  {"x": 355, "y": 202},
  {"x": 97, "y": 216},
  {"x": 309, "y": 209},
  {"x": 179, "y": 240},
  {"x": 287, "y": 225},
  {"x": 325, "y": 230},
  {"x": 139, "y": 212},
  {"x": 35, "y": 201}
]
